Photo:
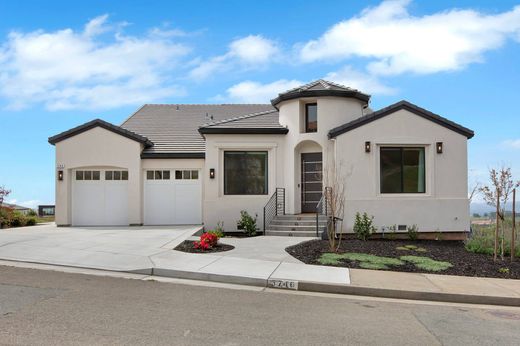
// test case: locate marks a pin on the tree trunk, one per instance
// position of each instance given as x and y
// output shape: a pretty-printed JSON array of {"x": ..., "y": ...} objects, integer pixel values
[
  {"x": 495, "y": 249},
  {"x": 514, "y": 228}
]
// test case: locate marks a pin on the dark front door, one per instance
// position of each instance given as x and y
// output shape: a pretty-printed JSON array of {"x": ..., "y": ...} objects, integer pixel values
[{"x": 312, "y": 185}]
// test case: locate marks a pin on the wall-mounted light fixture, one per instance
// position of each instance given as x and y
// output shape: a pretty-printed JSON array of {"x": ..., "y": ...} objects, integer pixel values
[
  {"x": 439, "y": 147},
  {"x": 367, "y": 147},
  {"x": 60, "y": 175},
  {"x": 212, "y": 173}
]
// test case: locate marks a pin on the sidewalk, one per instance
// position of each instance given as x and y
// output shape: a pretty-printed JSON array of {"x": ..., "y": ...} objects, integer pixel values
[{"x": 258, "y": 261}]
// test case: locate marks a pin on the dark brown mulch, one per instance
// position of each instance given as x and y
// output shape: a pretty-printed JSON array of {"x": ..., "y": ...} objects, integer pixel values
[
  {"x": 187, "y": 246},
  {"x": 464, "y": 263}
]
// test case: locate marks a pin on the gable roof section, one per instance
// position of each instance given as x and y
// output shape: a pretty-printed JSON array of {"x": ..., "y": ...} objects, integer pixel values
[
  {"x": 394, "y": 108},
  {"x": 255, "y": 123},
  {"x": 101, "y": 123},
  {"x": 173, "y": 128},
  {"x": 319, "y": 88}
]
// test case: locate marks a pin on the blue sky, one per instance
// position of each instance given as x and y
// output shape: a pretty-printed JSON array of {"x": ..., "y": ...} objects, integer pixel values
[{"x": 63, "y": 63}]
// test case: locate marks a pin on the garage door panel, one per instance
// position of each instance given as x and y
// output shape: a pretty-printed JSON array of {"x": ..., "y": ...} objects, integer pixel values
[
  {"x": 116, "y": 204},
  {"x": 188, "y": 204},
  {"x": 159, "y": 204},
  {"x": 88, "y": 204}
]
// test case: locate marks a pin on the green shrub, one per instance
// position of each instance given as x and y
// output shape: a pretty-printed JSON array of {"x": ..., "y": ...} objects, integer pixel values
[
  {"x": 413, "y": 232},
  {"x": 31, "y": 213},
  {"x": 247, "y": 223},
  {"x": 363, "y": 226},
  {"x": 18, "y": 219},
  {"x": 218, "y": 231},
  {"x": 5, "y": 217},
  {"x": 427, "y": 263},
  {"x": 483, "y": 241},
  {"x": 31, "y": 221}
]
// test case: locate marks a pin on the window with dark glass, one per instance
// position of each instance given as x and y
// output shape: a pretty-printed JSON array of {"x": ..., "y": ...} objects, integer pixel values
[
  {"x": 311, "y": 117},
  {"x": 245, "y": 172},
  {"x": 186, "y": 174},
  {"x": 402, "y": 170}
]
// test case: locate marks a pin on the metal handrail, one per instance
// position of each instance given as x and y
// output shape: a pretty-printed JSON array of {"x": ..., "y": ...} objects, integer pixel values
[
  {"x": 322, "y": 208},
  {"x": 275, "y": 206}
]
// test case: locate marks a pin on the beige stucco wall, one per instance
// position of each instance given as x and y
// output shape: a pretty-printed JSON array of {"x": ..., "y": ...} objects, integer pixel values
[
  {"x": 219, "y": 207},
  {"x": 332, "y": 112},
  {"x": 444, "y": 206},
  {"x": 98, "y": 148}
]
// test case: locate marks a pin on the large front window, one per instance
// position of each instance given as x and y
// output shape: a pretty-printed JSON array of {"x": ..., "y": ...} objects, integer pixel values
[
  {"x": 402, "y": 170},
  {"x": 245, "y": 172}
]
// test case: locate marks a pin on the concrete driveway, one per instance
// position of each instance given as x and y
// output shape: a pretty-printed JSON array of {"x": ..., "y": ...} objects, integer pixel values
[
  {"x": 149, "y": 250},
  {"x": 111, "y": 248}
]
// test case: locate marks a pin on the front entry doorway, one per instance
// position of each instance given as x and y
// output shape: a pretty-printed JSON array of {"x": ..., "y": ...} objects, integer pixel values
[{"x": 311, "y": 181}]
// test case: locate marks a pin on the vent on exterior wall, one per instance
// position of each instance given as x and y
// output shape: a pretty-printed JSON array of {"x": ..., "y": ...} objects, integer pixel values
[{"x": 401, "y": 227}]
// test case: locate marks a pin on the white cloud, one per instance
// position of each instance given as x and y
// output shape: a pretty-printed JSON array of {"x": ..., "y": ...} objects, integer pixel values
[
  {"x": 254, "y": 92},
  {"x": 33, "y": 203},
  {"x": 397, "y": 42},
  {"x": 512, "y": 143},
  {"x": 364, "y": 82},
  {"x": 65, "y": 69},
  {"x": 253, "y": 51}
]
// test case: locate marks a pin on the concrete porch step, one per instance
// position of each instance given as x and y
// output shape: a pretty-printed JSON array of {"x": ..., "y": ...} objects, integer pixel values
[
  {"x": 294, "y": 228},
  {"x": 299, "y": 217},
  {"x": 289, "y": 233},
  {"x": 289, "y": 222}
]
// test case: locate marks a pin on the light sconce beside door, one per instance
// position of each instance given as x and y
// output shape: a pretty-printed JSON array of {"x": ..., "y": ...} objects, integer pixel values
[
  {"x": 212, "y": 173},
  {"x": 439, "y": 147},
  {"x": 367, "y": 147},
  {"x": 60, "y": 175}
]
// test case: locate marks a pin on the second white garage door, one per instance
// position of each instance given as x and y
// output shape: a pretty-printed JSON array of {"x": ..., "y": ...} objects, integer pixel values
[{"x": 172, "y": 197}]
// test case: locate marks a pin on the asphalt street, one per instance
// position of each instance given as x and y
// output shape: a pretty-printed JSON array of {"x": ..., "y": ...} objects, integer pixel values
[{"x": 53, "y": 308}]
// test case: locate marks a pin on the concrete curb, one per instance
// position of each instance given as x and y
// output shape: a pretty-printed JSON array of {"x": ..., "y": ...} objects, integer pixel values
[
  {"x": 310, "y": 286},
  {"x": 412, "y": 295},
  {"x": 227, "y": 279}
]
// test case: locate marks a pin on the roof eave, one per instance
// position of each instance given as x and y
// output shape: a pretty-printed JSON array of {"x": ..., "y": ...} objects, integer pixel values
[
  {"x": 320, "y": 93},
  {"x": 103, "y": 124},
  {"x": 243, "y": 131},
  {"x": 192, "y": 155}
]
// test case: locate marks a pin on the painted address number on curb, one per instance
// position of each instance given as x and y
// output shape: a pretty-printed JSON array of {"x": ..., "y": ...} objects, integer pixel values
[{"x": 284, "y": 284}]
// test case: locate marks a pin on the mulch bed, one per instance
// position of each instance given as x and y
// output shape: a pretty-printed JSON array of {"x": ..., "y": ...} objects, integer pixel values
[
  {"x": 464, "y": 263},
  {"x": 187, "y": 246}
]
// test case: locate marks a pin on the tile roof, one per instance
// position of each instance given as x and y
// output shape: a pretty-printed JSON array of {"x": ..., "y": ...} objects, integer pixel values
[
  {"x": 320, "y": 87},
  {"x": 258, "y": 122},
  {"x": 173, "y": 128}
]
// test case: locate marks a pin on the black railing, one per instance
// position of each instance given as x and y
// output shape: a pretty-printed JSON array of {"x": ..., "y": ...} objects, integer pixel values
[
  {"x": 275, "y": 206},
  {"x": 322, "y": 208}
]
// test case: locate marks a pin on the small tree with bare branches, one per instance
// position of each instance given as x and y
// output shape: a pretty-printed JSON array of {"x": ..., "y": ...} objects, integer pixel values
[
  {"x": 497, "y": 195},
  {"x": 473, "y": 191},
  {"x": 334, "y": 197},
  {"x": 3, "y": 194}
]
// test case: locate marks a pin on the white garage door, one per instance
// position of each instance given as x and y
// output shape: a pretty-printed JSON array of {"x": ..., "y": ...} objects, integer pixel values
[
  {"x": 100, "y": 198},
  {"x": 172, "y": 197}
]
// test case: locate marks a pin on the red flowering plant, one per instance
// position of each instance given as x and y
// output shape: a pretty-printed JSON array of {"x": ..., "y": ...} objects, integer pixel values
[{"x": 207, "y": 241}]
